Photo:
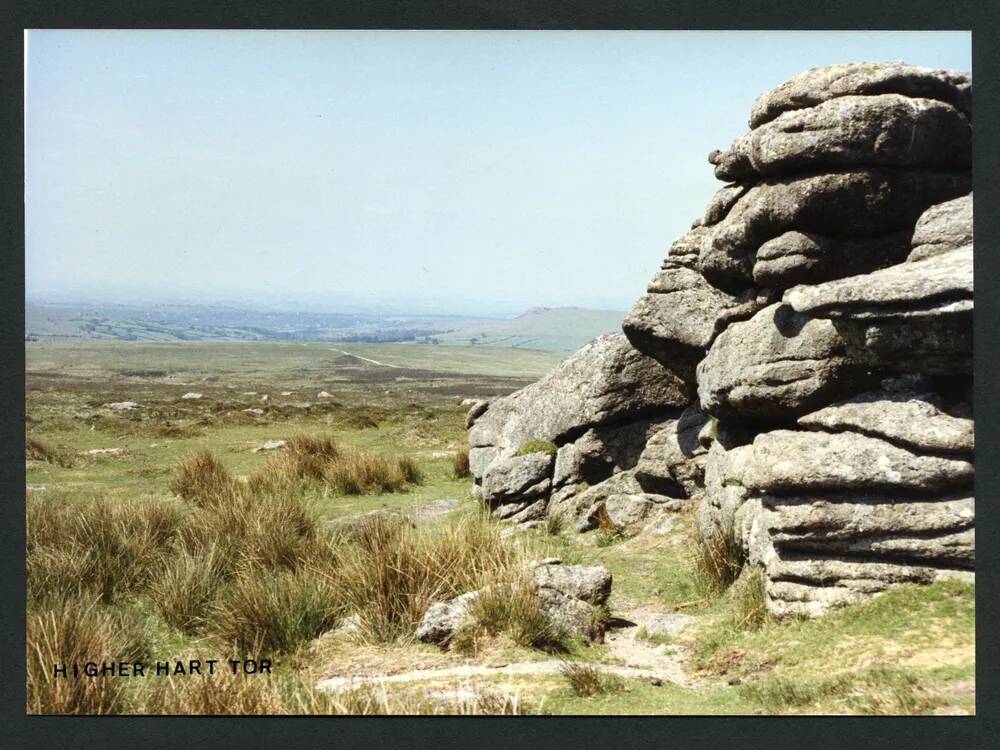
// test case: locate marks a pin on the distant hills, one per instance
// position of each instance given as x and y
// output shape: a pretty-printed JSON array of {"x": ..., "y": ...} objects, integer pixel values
[
  {"x": 557, "y": 329},
  {"x": 561, "y": 329}
]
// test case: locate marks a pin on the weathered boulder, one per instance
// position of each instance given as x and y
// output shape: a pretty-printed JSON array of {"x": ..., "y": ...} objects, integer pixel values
[
  {"x": 887, "y": 130},
  {"x": 673, "y": 462},
  {"x": 909, "y": 419},
  {"x": 883, "y": 526},
  {"x": 589, "y": 583},
  {"x": 800, "y": 258},
  {"x": 858, "y": 202},
  {"x": 718, "y": 207},
  {"x": 602, "y": 451},
  {"x": 480, "y": 459},
  {"x": 573, "y": 501},
  {"x": 518, "y": 480},
  {"x": 818, "y": 85},
  {"x": 946, "y": 226},
  {"x": 629, "y": 513},
  {"x": 724, "y": 493},
  {"x": 605, "y": 381},
  {"x": 777, "y": 365},
  {"x": 668, "y": 624},
  {"x": 793, "y": 461},
  {"x": 476, "y": 410},
  {"x": 911, "y": 317},
  {"x": 442, "y": 619},
  {"x": 678, "y": 342},
  {"x": 942, "y": 283},
  {"x": 811, "y": 586},
  {"x": 123, "y": 406},
  {"x": 567, "y": 595}
]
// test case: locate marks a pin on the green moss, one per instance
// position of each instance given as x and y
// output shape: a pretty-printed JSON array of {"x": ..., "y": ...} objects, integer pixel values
[{"x": 537, "y": 446}]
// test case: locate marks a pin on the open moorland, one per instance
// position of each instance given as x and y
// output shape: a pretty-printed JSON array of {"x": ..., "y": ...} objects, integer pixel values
[{"x": 162, "y": 530}]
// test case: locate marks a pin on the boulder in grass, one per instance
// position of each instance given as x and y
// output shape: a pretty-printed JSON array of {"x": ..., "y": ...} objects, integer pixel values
[
  {"x": 191, "y": 396},
  {"x": 442, "y": 619},
  {"x": 124, "y": 406},
  {"x": 269, "y": 445}
]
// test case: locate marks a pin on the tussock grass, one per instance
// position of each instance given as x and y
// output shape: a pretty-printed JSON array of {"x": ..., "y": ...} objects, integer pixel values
[
  {"x": 555, "y": 523},
  {"x": 360, "y": 473},
  {"x": 880, "y": 691},
  {"x": 586, "y": 680},
  {"x": 607, "y": 532},
  {"x": 36, "y": 450},
  {"x": 202, "y": 479},
  {"x": 221, "y": 694},
  {"x": 715, "y": 560},
  {"x": 512, "y": 607},
  {"x": 185, "y": 588},
  {"x": 95, "y": 546},
  {"x": 226, "y": 694},
  {"x": 460, "y": 464},
  {"x": 749, "y": 608},
  {"x": 273, "y": 529},
  {"x": 276, "y": 611},
  {"x": 77, "y": 631},
  {"x": 369, "y": 701},
  {"x": 348, "y": 471},
  {"x": 390, "y": 573}
]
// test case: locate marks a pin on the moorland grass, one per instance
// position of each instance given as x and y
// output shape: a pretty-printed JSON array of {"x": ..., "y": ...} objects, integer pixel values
[
  {"x": 716, "y": 559},
  {"x": 460, "y": 464},
  {"x": 586, "y": 680},
  {"x": 510, "y": 606},
  {"x": 391, "y": 572},
  {"x": 346, "y": 470},
  {"x": 37, "y": 450},
  {"x": 76, "y": 631}
]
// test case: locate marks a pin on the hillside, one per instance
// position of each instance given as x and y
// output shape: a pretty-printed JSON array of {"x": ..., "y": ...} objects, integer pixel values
[
  {"x": 179, "y": 322},
  {"x": 560, "y": 329}
]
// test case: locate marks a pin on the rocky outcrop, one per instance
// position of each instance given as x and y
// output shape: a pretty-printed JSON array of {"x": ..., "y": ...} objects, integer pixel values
[
  {"x": 593, "y": 414},
  {"x": 820, "y": 315},
  {"x": 847, "y": 487},
  {"x": 888, "y": 130},
  {"x": 943, "y": 227},
  {"x": 818, "y": 85},
  {"x": 856, "y": 202}
]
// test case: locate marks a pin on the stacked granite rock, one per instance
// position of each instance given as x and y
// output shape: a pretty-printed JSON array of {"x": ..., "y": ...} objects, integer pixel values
[
  {"x": 802, "y": 361},
  {"x": 822, "y": 311},
  {"x": 564, "y": 444}
]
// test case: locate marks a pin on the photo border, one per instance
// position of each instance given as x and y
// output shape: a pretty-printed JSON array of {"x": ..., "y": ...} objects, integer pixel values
[{"x": 982, "y": 17}]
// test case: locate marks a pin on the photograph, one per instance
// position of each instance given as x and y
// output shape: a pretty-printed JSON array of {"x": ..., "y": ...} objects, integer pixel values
[{"x": 498, "y": 373}]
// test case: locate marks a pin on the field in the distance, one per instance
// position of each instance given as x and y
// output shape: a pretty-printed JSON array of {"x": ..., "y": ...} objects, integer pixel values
[{"x": 399, "y": 398}]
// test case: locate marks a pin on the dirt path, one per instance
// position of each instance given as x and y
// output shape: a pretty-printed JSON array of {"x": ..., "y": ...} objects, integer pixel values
[
  {"x": 638, "y": 660},
  {"x": 622, "y": 645},
  {"x": 364, "y": 359}
]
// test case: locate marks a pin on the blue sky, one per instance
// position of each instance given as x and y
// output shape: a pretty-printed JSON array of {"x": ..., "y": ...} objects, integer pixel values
[{"x": 460, "y": 172}]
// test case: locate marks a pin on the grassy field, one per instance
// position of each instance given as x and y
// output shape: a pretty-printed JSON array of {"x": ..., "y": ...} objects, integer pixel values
[{"x": 136, "y": 552}]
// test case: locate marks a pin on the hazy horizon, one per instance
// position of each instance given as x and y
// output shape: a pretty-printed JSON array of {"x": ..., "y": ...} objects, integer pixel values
[{"x": 476, "y": 173}]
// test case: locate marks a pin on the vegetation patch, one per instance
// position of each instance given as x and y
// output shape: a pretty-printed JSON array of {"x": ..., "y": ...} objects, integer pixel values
[
  {"x": 36, "y": 450},
  {"x": 586, "y": 680},
  {"x": 347, "y": 470},
  {"x": 390, "y": 572},
  {"x": 538, "y": 446},
  {"x": 460, "y": 464},
  {"x": 716, "y": 559},
  {"x": 511, "y": 607}
]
